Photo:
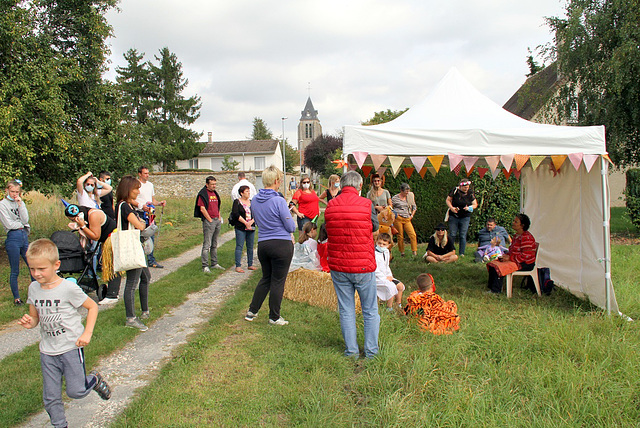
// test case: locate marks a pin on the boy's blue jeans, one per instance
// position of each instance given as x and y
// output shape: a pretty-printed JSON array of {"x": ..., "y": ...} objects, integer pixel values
[{"x": 16, "y": 245}]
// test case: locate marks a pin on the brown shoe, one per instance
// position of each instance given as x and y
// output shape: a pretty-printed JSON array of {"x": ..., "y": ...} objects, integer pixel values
[
  {"x": 252, "y": 268},
  {"x": 239, "y": 270}
]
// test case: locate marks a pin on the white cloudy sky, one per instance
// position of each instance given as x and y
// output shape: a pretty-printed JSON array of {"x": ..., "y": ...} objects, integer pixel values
[{"x": 249, "y": 59}]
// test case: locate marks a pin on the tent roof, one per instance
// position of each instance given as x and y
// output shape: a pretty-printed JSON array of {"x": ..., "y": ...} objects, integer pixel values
[{"x": 456, "y": 118}]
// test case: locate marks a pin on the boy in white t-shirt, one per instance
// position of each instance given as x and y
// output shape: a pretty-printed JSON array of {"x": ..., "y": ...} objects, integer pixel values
[
  {"x": 388, "y": 288},
  {"x": 53, "y": 303}
]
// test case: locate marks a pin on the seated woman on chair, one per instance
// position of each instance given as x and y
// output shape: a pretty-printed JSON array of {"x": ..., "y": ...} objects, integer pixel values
[{"x": 522, "y": 254}]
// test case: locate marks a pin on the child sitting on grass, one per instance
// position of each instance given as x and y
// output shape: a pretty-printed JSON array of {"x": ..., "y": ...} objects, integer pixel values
[
  {"x": 388, "y": 288},
  {"x": 492, "y": 251},
  {"x": 53, "y": 303},
  {"x": 434, "y": 314}
]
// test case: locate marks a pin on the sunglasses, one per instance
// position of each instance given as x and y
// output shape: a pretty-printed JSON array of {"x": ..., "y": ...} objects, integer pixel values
[
  {"x": 440, "y": 229},
  {"x": 306, "y": 182}
]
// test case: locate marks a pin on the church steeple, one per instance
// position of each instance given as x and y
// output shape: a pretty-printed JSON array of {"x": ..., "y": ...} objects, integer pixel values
[
  {"x": 309, "y": 127},
  {"x": 309, "y": 113}
]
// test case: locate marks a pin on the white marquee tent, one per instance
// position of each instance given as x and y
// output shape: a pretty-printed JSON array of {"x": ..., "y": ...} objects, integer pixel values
[{"x": 569, "y": 208}]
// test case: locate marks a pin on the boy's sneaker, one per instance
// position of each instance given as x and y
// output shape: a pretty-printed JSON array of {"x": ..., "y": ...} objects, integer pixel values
[
  {"x": 136, "y": 323},
  {"x": 206, "y": 269},
  {"x": 144, "y": 315},
  {"x": 108, "y": 301},
  {"x": 250, "y": 316},
  {"x": 279, "y": 321},
  {"x": 217, "y": 266},
  {"x": 101, "y": 386}
]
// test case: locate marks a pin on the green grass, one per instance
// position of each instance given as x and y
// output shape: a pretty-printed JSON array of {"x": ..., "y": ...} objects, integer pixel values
[
  {"x": 520, "y": 362},
  {"x": 621, "y": 222},
  {"x": 21, "y": 382}
]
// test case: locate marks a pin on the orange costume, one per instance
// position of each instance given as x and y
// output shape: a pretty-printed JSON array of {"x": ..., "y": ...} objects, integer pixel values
[{"x": 434, "y": 314}]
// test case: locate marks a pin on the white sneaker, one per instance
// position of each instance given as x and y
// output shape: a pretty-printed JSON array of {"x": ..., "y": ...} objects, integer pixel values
[
  {"x": 250, "y": 316},
  {"x": 217, "y": 266},
  {"x": 136, "y": 323},
  {"x": 108, "y": 301},
  {"x": 206, "y": 270},
  {"x": 279, "y": 321}
]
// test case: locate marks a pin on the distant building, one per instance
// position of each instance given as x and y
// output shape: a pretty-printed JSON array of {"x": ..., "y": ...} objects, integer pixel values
[{"x": 309, "y": 127}]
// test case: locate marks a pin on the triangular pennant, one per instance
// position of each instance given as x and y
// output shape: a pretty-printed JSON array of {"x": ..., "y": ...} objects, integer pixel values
[
  {"x": 492, "y": 161},
  {"x": 457, "y": 168},
  {"x": 366, "y": 170},
  {"x": 381, "y": 171},
  {"x": 482, "y": 172},
  {"x": 377, "y": 160},
  {"x": 606, "y": 156},
  {"x": 495, "y": 173},
  {"x": 408, "y": 170},
  {"x": 422, "y": 171},
  {"x": 520, "y": 161},
  {"x": 418, "y": 161},
  {"x": 507, "y": 173},
  {"x": 470, "y": 171},
  {"x": 558, "y": 160},
  {"x": 553, "y": 168},
  {"x": 396, "y": 163},
  {"x": 436, "y": 161},
  {"x": 353, "y": 167},
  {"x": 360, "y": 157},
  {"x": 516, "y": 173},
  {"x": 589, "y": 160},
  {"x": 536, "y": 161},
  {"x": 432, "y": 170},
  {"x": 454, "y": 160},
  {"x": 507, "y": 160},
  {"x": 469, "y": 162},
  {"x": 576, "y": 159}
]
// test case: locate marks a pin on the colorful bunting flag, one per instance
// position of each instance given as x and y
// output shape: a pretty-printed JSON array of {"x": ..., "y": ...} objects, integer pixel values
[
  {"x": 482, "y": 171},
  {"x": 454, "y": 160},
  {"x": 536, "y": 161},
  {"x": 418, "y": 161},
  {"x": 507, "y": 160},
  {"x": 432, "y": 170},
  {"x": 360, "y": 157},
  {"x": 422, "y": 171},
  {"x": 396, "y": 163},
  {"x": 557, "y": 161},
  {"x": 492, "y": 161},
  {"x": 353, "y": 167},
  {"x": 576, "y": 159},
  {"x": 516, "y": 173},
  {"x": 589, "y": 160},
  {"x": 495, "y": 173},
  {"x": 606, "y": 156},
  {"x": 470, "y": 171},
  {"x": 381, "y": 171},
  {"x": 436, "y": 161},
  {"x": 507, "y": 173},
  {"x": 377, "y": 160},
  {"x": 408, "y": 170},
  {"x": 366, "y": 170},
  {"x": 340, "y": 163},
  {"x": 469, "y": 162},
  {"x": 520, "y": 161},
  {"x": 457, "y": 168}
]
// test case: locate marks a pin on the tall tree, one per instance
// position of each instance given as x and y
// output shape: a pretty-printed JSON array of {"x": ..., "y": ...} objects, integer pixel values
[
  {"x": 134, "y": 82},
  {"x": 260, "y": 130},
  {"x": 319, "y": 154},
  {"x": 597, "y": 49},
  {"x": 173, "y": 112},
  {"x": 383, "y": 117},
  {"x": 291, "y": 156}
]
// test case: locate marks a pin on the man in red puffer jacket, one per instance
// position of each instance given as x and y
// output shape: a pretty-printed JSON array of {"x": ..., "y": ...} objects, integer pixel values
[{"x": 350, "y": 221}]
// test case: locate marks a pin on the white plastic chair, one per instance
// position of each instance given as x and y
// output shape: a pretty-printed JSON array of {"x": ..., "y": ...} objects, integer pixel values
[{"x": 533, "y": 273}]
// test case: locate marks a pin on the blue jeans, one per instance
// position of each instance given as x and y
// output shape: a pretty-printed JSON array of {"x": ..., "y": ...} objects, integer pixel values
[
  {"x": 16, "y": 246},
  {"x": 346, "y": 284},
  {"x": 302, "y": 221},
  {"x": 459, "y": 226},
  {"x": 151, "y": 259},
  {"x": 243, "y": 236}
]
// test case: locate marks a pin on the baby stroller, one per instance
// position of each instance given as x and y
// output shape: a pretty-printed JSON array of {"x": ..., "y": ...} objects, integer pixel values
[{"x": 76, "y": 259}]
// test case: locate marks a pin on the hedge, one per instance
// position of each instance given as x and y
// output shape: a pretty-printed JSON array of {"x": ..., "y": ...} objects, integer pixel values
[{"x": 632, "y": 193}]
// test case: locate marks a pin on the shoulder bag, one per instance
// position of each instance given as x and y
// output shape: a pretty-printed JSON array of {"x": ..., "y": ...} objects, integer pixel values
[{"x": 127, "y": 249}]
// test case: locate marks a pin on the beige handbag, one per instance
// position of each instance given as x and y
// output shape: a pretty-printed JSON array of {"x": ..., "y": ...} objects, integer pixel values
[{"x": 127, "y": 248}]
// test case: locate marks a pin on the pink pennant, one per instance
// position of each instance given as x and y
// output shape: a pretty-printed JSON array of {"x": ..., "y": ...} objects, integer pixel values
[
  {"x": 576, "y": 159},
  {"x": 457, "y": 168},
  {"x": 418, "y": 161},
  {"x": 482, "y": 171},
  {"x": 360, "y": 157},
  {"x": 377, "y": 160},
  {"x": 589, "y": 160},
  {"x": 516, "y": 173},
  {"x": 493, "y": 162},
  {"x": 454, "y": 160},
  {"x": 469, "y": 162},
  {"x": 381, "y": 171},
  {"x": 507, "y": 160}
]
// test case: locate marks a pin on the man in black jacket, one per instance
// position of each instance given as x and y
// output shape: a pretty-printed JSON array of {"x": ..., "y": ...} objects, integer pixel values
[{"x": 208, "y": 210}]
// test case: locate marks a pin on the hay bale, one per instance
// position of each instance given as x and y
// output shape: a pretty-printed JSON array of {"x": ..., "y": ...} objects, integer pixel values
[{"x": 314, "y": 288}]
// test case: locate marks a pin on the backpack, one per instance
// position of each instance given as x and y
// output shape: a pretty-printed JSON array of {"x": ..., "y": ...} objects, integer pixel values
[
  {"x": 546, "y": 283},
  {"x": 233, "y": 218}
]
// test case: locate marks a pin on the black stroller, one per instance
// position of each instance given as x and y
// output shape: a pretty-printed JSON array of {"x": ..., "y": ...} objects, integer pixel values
[{"x": 76, "y": 259}]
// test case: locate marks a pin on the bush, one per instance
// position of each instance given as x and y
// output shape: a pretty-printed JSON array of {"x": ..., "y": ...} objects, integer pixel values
[
  {"x": 499, "y": 198},
  {"x": 632, "y": 194}
]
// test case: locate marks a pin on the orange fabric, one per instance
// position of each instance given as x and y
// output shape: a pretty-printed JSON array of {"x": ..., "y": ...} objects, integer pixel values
[
  {"x": 503, "y": 268},
  {"x": 434, "y": 314}
]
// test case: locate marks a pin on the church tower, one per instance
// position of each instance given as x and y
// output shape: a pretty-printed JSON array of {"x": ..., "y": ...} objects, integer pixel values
[{"x": 309, "y": 127}]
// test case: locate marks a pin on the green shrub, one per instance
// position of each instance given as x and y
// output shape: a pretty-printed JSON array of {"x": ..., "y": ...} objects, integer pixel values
[
  {"x": 632, "y": 193},
  {"x": 499, "y": 198}
]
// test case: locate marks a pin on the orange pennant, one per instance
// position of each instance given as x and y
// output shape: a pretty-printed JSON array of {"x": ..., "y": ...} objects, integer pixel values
[
  {"x": 423, "y": 171},
  {"x": 520, "y": 161},
  {"x": 436, "y": 161},
  {"x": 507, "y": 174},
  {"x": 408, "y": 170},
  {"x": 558, "y": 160},
  {"x": 470, "y": 171}
]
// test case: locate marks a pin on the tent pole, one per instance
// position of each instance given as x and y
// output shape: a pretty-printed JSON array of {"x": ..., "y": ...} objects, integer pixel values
[{"x": 606, "y": 231}]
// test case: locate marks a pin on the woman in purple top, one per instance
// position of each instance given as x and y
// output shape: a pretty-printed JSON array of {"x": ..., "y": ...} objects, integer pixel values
[{"x": 275, "y": 245}]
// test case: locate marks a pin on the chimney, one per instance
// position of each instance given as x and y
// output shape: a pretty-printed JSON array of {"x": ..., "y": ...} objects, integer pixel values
[{"x": 210, "y": 137}]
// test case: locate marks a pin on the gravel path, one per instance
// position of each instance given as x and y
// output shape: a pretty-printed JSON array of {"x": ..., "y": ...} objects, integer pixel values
[{"x": 135, "y": 365}]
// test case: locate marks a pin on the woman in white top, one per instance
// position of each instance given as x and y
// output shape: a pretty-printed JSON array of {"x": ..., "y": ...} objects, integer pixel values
[{"x": 88, "y": 192}]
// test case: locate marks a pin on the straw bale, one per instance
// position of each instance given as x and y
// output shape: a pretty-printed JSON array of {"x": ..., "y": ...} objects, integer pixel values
[{"x": 314, "y": 288}]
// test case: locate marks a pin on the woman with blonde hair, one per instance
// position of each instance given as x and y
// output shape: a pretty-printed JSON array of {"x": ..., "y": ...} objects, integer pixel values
[
  {"x": 332, "y": 191},
  {"x": 440, "y": 248}
]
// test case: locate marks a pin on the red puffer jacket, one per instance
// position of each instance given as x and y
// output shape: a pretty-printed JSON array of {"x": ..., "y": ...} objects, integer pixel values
[{"x": 350, "y": 247}]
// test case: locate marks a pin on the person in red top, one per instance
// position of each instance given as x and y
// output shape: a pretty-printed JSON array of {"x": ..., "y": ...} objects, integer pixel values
[
  {"x": 322, "y": 248},
  {"x": 350, "y": 221},
  {"x": 208, "y": 210},
  {"x": 522, "y": 254},
  {"x": 308, "y": 206}
]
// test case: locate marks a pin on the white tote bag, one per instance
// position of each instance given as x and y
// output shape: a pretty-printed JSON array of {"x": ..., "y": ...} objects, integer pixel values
[{"x": 127, "y": 248}]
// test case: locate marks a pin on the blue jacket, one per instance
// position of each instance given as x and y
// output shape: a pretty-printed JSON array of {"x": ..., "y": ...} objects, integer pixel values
[
  {"x": 485, "y": 237},
  {"x": 272, "y": 216}
]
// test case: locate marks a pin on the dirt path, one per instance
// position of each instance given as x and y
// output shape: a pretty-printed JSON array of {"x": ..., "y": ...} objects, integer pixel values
[{"x": 135, "y": 365}]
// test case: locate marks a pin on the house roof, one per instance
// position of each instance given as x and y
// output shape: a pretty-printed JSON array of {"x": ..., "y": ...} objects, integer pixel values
[
  {"x": 309, "y": 113},
  {"x": 239, "y": 147},
  {"x": 534, "y": 93}
]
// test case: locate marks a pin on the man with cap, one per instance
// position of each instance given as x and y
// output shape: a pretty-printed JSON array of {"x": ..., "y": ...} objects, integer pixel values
[{"x": 461, "y": 203}]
